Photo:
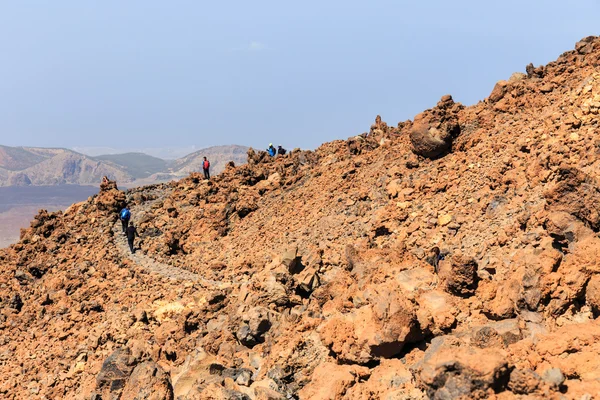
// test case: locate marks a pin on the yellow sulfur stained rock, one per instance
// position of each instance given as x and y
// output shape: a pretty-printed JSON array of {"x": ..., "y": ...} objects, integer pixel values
[{"x": 444, "y": 219}]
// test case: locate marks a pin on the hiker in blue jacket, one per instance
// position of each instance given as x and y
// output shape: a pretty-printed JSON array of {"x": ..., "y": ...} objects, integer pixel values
[
  {"x": 124, "y": 216},
  {"x": 271, "y": 150}
]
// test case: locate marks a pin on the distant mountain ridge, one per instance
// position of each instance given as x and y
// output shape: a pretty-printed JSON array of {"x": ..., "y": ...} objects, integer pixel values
[
  {"x": 138, "y": 165},
  {"x": 23, "y": 166},
  {"x": 218, "y": 156}
]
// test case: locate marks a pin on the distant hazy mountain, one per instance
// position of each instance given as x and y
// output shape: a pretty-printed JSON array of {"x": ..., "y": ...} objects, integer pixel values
[
  {"x": 165, "y": 153},
  {"x": 23, "y": 166},
  {"x": 217, "y": 155},
  {"x": 138, "y": 165}
]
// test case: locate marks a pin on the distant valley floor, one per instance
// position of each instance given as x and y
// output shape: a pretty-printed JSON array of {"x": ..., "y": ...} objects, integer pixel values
[{"x": 18, "y": 205}]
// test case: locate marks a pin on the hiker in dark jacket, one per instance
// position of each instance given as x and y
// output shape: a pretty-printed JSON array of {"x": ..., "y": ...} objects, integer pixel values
[
  {"x": 124, "y": 216},
  {"x": 434, "y": 258},
  {"x": 205, "y": 167},
  {"x": 131, "y": 234},
  {"x": 281, "y": 151}
]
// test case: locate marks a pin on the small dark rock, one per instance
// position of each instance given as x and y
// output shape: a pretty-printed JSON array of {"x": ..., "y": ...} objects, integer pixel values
[
  {"x": 16, "y": 302},
  {"x": 523, "y": 381}
]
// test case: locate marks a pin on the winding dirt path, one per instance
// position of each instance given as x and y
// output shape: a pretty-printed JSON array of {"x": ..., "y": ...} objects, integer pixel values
[
  {"x": 148, "y": 263},
  {"x": 153, "y": 266}
]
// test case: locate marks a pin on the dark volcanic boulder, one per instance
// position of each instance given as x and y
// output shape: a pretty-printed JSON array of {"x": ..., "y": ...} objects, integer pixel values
[
  {"x": 575, "y": 192},
  {"x": 433, "y": 130},
  {"x": 256, "y": 323},
  {"x": 460, "y": 275},
  {"x": 523, "y": 381},
  {"x": 115, "y": 372},
  {"x": 148, "y": 381}
]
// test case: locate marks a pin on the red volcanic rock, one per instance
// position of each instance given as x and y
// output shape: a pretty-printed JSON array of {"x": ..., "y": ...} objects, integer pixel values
[{"x": 453, "y": 256}]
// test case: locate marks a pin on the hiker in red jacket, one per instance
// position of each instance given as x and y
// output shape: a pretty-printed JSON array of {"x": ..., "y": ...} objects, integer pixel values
[{"x": 205, "y": 167}]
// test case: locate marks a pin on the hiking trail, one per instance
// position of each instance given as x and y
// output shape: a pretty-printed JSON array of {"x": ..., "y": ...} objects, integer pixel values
[{"x": 152, "y": 265}]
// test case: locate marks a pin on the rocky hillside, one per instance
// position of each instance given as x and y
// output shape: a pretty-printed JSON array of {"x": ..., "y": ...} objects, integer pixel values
[
  {"x": 18, "y": 158},
  {"x": 23, "y": 166},
  {"x": 137, "y": 165},
  {"x": 317, "y": 275}
]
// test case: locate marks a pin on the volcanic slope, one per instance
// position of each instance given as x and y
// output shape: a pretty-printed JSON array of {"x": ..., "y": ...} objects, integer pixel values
[{"x": 312, "y": 275}]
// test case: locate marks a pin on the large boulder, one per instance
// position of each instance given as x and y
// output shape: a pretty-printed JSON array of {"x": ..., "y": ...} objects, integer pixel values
[
  {"x": 433, "y": 130},
  {"x": 332, "y": 381},
  {"x": 378, "y": 329},
  {"x": 148, "y": 381},
  {"x": 576, "y": 193},
  {"x": 459, "y": 274},
  {"x": 391, "y": 379},
  {"x": 592, "y": 294},
  {"x": 199, "y": 368},
  {"x": 255, "y": 323},
  {"x": 110, "y": 199},
  {"x": 437, "y": 311},
  {"x": 524, "y": 381},
  {"x": 114, "y": 373},
  {"x": 453, "y": 370}
]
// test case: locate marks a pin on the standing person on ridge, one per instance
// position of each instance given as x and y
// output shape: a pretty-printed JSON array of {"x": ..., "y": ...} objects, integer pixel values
[
  {"x": 281, "y": 151},
  {"x": 205, "y": 167},
  {"x": 271, "y": 150},
  {"x": 434, "y": 258},
  {"x": 125, "y": 215},
  {"x": 131, "y": 234}
]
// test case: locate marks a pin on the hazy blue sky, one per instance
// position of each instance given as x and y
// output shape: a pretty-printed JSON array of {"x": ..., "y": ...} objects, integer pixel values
[{"x": 180, "y": 73}]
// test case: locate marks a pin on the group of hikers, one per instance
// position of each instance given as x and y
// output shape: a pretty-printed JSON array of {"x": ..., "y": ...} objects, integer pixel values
[
  {"x": 129, "y": 229},
  {"x": 271, "y": 150},
  {"x": 127, "y": 225},
  {"x": 274, "y": 152}
]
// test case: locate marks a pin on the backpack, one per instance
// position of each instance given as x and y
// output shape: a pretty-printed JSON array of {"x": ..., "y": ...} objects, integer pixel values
[
  {"x": 125, "y": 214},
  {"x": 205, "y": 164}
]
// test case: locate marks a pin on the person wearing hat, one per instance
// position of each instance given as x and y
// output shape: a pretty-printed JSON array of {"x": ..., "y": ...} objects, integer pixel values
[
  {"x": 281, "y": 151},
  {"x": 271, "y": 150}
]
